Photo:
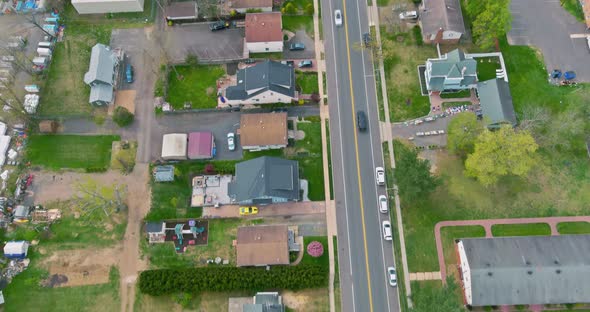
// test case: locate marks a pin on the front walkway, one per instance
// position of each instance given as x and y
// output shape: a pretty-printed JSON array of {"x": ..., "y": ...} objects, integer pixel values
[{"x": 487, "y": 225}]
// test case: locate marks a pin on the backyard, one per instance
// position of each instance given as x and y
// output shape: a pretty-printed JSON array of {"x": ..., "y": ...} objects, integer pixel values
[
  {"x": 486, "y": 67},
  {"x": 299, "y": 19},
  {"x": 195, "y": 85},
  {"x": 307, "y": 83},
  {"x": 92, "y": 153}
]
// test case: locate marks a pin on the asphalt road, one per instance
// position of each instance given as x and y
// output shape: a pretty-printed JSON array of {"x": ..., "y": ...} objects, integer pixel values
[{"x": 363, "y": 254}]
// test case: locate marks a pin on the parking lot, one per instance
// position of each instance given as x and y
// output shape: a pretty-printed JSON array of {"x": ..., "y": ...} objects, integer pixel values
[
  {"x": 546, "y": 25},
  {"x": 183, "y": 40}
]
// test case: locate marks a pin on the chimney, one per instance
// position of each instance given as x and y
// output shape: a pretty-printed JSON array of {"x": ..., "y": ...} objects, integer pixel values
[{"x": 463, "y": 71}]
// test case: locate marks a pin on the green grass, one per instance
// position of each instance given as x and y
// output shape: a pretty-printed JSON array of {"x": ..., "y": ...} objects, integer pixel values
[
  {"x": 486, "y": 67},
  {"x": 277, "y": 56},
  {"x": 432, "y": 296},
  {"x": 449, "y": 234},
  {"x": 294, "y": 23},
  {"x": 322, "y": 260},
  {"x": 307, "y": 83},
  {"x": 573, "y": 228},
  {"x": 329, "y": 152},
  {"x": 455, "y": 104},
  {"x": 337, "y": 294},
  {"x": 521, "y": 229},
  {"x": 71, "y": 233},
  {"x": 308, "y": 152},
  {"x": 70, "y": 151},
  {"x": 574, "y": 8},
  {"x": 301, "y": 4},
  {"x": 459, "y": 94},
  {"x": 197, "y": 86},
  {"x": 383, "y": 3}
]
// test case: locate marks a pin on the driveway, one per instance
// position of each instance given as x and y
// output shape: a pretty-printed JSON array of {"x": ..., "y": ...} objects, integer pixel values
[
  {"x": 546, "y": 25},
  {"x": 183, "y": 40},
  {"x": 300, "y": 37},
  {"x": 407, "y": 130}
]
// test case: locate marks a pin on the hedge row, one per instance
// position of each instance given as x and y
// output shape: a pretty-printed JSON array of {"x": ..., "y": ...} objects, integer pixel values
[{"x": 195, "y": 280}]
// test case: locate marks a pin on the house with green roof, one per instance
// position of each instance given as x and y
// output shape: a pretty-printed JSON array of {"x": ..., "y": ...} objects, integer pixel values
[
  {"x": 496, "y": 103},
  {"x": 452, "y": 72}
]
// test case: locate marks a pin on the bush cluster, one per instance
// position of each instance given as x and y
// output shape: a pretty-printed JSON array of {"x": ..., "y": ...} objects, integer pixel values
[{"x": 221, "y": 279}]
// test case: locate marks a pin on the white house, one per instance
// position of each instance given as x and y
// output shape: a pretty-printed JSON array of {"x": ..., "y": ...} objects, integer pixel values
[
  {"x": 264, "y": 83},
  {"x": 264, "y": 32},
  {"x": 107, "y": 6}
]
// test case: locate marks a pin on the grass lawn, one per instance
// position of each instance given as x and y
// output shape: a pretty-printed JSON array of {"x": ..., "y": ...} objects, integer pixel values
[
  {"x": 573, "y": 228},
  {"x": 455, "y": 104},
  {"x": 308, "y": 152},
  {"x": 521, "y": 229},
  {"x": 70, "y": 151},
  {"x": 294, "y": 23},
  {"x": 329, "y": 159},
  {"x": 307, "y": 83},
  {"x": 459, "y": 94},
  {"x": 206, "y": 301},
  {"x": 486, "y": 67},
  {"x": 197, "y": 86},
  {"x": 574, "y": 8},
  {"x": 448, "y": 236},
  {"x": 401, "y": 75},
  {"x": 322, "y": 260}
]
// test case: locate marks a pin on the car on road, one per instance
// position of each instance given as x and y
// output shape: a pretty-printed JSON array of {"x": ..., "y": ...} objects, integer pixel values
[
  {"x": 231, "y": 144},
  {"x": 219, "y": 25},
  {"x": 380, "y": 175},
  {"x": 392, "y": 276},
  {"x": 296, "y": 46},
  {"x": 382, "y": 204},
  {"x": 408, "y": 15},
  {"x": 129, "y": 73},
  {"x": 248, "y": 210},
  {"x": 338, "y": 18},
  {"x": 305, "y": 63},
  {"x": 361, "y": 120},
  {"x": 387, "y": 230},
  {"x": 367, "y": 39}
]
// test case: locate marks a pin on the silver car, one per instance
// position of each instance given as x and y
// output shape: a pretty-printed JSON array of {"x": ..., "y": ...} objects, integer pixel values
[
  {"x": 392, "y": 276},
  {"x": 338, "y": 18},
  {"x": 387, "y": 231},
  {"x": 231, "y": 145}
]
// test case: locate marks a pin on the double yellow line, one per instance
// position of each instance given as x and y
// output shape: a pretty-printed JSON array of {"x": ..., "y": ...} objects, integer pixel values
[{"x": 356, "y": 150}]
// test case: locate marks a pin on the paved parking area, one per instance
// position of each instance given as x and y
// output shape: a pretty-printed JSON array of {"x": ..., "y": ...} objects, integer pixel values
[
  {"x": 403, "y": 131},
  {"x": 546, "y": 25},
  {"x": 183, "y": 40},
  {"x": 300, "y": 37}
]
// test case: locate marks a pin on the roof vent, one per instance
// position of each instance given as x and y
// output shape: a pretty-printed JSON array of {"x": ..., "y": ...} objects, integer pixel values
[
  {"x": 556, "y": 261},
  {"x": 529, "y": 272},
  {"x": 488, "y": 264},
  {"x": 490, "y": 273},
  {"x": 558, "y": 271}
]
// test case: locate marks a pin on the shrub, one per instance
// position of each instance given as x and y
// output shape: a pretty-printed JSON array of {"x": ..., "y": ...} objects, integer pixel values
[
  {"x": 315, "y": 249},
  {"x": 418, "y": 35},
  {"x": 122, "y": 117},
  {"x": 309, "y": 9},
  {"x": 290, "y": 8},
  {"x": 224, "y": 279}
]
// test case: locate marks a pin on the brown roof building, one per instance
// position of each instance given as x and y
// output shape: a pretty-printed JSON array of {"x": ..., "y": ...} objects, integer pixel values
[
  {"x": 262, "y": 245},
  {"x": 264, "y": 27},
  {"x": 263, "y": 131}
]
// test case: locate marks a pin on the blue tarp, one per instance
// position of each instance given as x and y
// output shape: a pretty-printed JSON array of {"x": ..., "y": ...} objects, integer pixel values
[{"x": 569, "y": 75}]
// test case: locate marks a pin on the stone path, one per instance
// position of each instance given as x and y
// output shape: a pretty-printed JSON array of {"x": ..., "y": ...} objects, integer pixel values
[
  {"x": 425, "y": 276},
  {"x": 487, "y": 225}
]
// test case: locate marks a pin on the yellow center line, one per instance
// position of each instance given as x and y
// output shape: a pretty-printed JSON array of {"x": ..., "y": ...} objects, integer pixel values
[{"x": 356, "y": 151}]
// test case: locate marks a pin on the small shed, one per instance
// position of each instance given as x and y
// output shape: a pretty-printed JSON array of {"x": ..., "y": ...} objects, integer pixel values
[
  {"x": 174, "y": 146},
  {"x": 48, "y": 126},
  {"x": 178, "y": 12},
  {"x": 16, "y": 249},
  {"x": 156, "y": 232},
  {"x": 164, "y": 173},
  {"x": 201, "y": 145}
]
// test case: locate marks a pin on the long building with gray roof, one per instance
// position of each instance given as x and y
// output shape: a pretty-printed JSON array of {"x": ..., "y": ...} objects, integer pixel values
[{"x": 525, "y": 270}]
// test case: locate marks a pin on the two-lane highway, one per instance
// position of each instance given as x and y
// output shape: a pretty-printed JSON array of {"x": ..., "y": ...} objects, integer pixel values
[{"x": 363, "y": 253}]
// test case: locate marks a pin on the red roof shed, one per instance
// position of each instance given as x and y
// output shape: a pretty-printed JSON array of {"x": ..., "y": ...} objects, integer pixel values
[{"x": 201, "y": 145}]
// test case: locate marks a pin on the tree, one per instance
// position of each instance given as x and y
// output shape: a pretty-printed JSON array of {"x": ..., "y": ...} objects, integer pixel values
[
  {"x": 309, "y": 9},
  {"x": 492, "y": 21},
  {"x": 501, "y": 153},
  {"x": 290, "y": 8},
  {"x": 463, "y": 130},
  {"x": 95, "y": 202},
  {"x": 412, "y": 174},
  {"x": 122, "y": 117}
]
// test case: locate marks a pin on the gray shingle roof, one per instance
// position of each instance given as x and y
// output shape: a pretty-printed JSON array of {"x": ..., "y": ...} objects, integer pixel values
[
  {"x": 269, "y": 75},
  {"x": 454, "y": 65},
  {"x": 101, "y": 92},
  {"x": 164, "y": 173},
  {"x": 102, "y": 65},
  {"x": 265, "y": 177},
  {"x": 496, "y": 102},
  {"x": 529, "y": 269}
]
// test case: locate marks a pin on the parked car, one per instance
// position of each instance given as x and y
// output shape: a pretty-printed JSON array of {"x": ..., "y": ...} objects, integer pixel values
[
  {"x": 297, "y": 46},
  {"x": 382, "y": 204},
  {"x": 387, "y": 230},
  {"x": 392, "y": 276},
  {"x": 129, "y": 73},
  {"x": 305, "y": 63},
  {"x": 338, "y": 18},
  {"x": 219, "y": 25},
  {"x": 288, "y": 63},
  {"x": 231, "y": 145},
  {"x": 361, "y": 120},
  {"x": 248, "y": 210},
  {"x": 367, "y": 39},
  {"x": 420, "y": 134},
  {"x": 441, "y": 131},
  {"x": 380, "y": 175},
  {"x": 408, "y": 15}
]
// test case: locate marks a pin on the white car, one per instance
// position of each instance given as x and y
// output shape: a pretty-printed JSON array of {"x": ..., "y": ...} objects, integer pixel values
[
  {"x": 380, "y": 175},
  {"x": 387, "y": 231},
  {"x": 392, "y": 276},
  {"x": 230, "y": 141},
  {"x": 382, "y": 204},
  {"x": 338, "y": 18},
  {"x": 441, "y": 131},
  {"x": 408, "y": 15}
]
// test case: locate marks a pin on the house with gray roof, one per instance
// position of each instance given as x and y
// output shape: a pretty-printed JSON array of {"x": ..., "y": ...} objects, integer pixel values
[
  {"x": 265, "y": 302},
  {"x": 101, "y": 75},
  {"x": 525, "y": 270},
  {"x": 496, "y": 103},
  {"x": 265, "y": 180},
  {"x": 264, "y": 83},
  {"x": 441, "y": 21},
  {"x": 163, "y": 173},
  {"x": 454, "y": 71}
]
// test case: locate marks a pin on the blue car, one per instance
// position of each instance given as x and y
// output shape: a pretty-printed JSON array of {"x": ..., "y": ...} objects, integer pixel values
[{"x": 129, "y": 73}]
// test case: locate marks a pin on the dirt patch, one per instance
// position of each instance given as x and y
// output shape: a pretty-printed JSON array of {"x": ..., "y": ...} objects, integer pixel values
[
  {"x": 124, "y": 98},
  {"x": 80, "y": 266},
  {"x": 307, "y": 300}
]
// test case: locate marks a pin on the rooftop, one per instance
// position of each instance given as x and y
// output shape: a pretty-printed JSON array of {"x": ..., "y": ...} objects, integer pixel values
[
  {"x": 264, "y": 27},
  {"x": 496, "y": 102},
  {"x": 263, "y": 129},
  {"x": 251, "y": 4},
  {"x": 262, "y": 245},
  {"x": 268, "y": 75},
  {"x": 445, "y": 14},
  {"x": 200, "y": 145}
]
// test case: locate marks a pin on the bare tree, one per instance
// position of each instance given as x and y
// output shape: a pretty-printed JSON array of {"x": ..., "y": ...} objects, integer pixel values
[
  {"x": 533, "y": 117},
  {"x": 96, "y": 202}
]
